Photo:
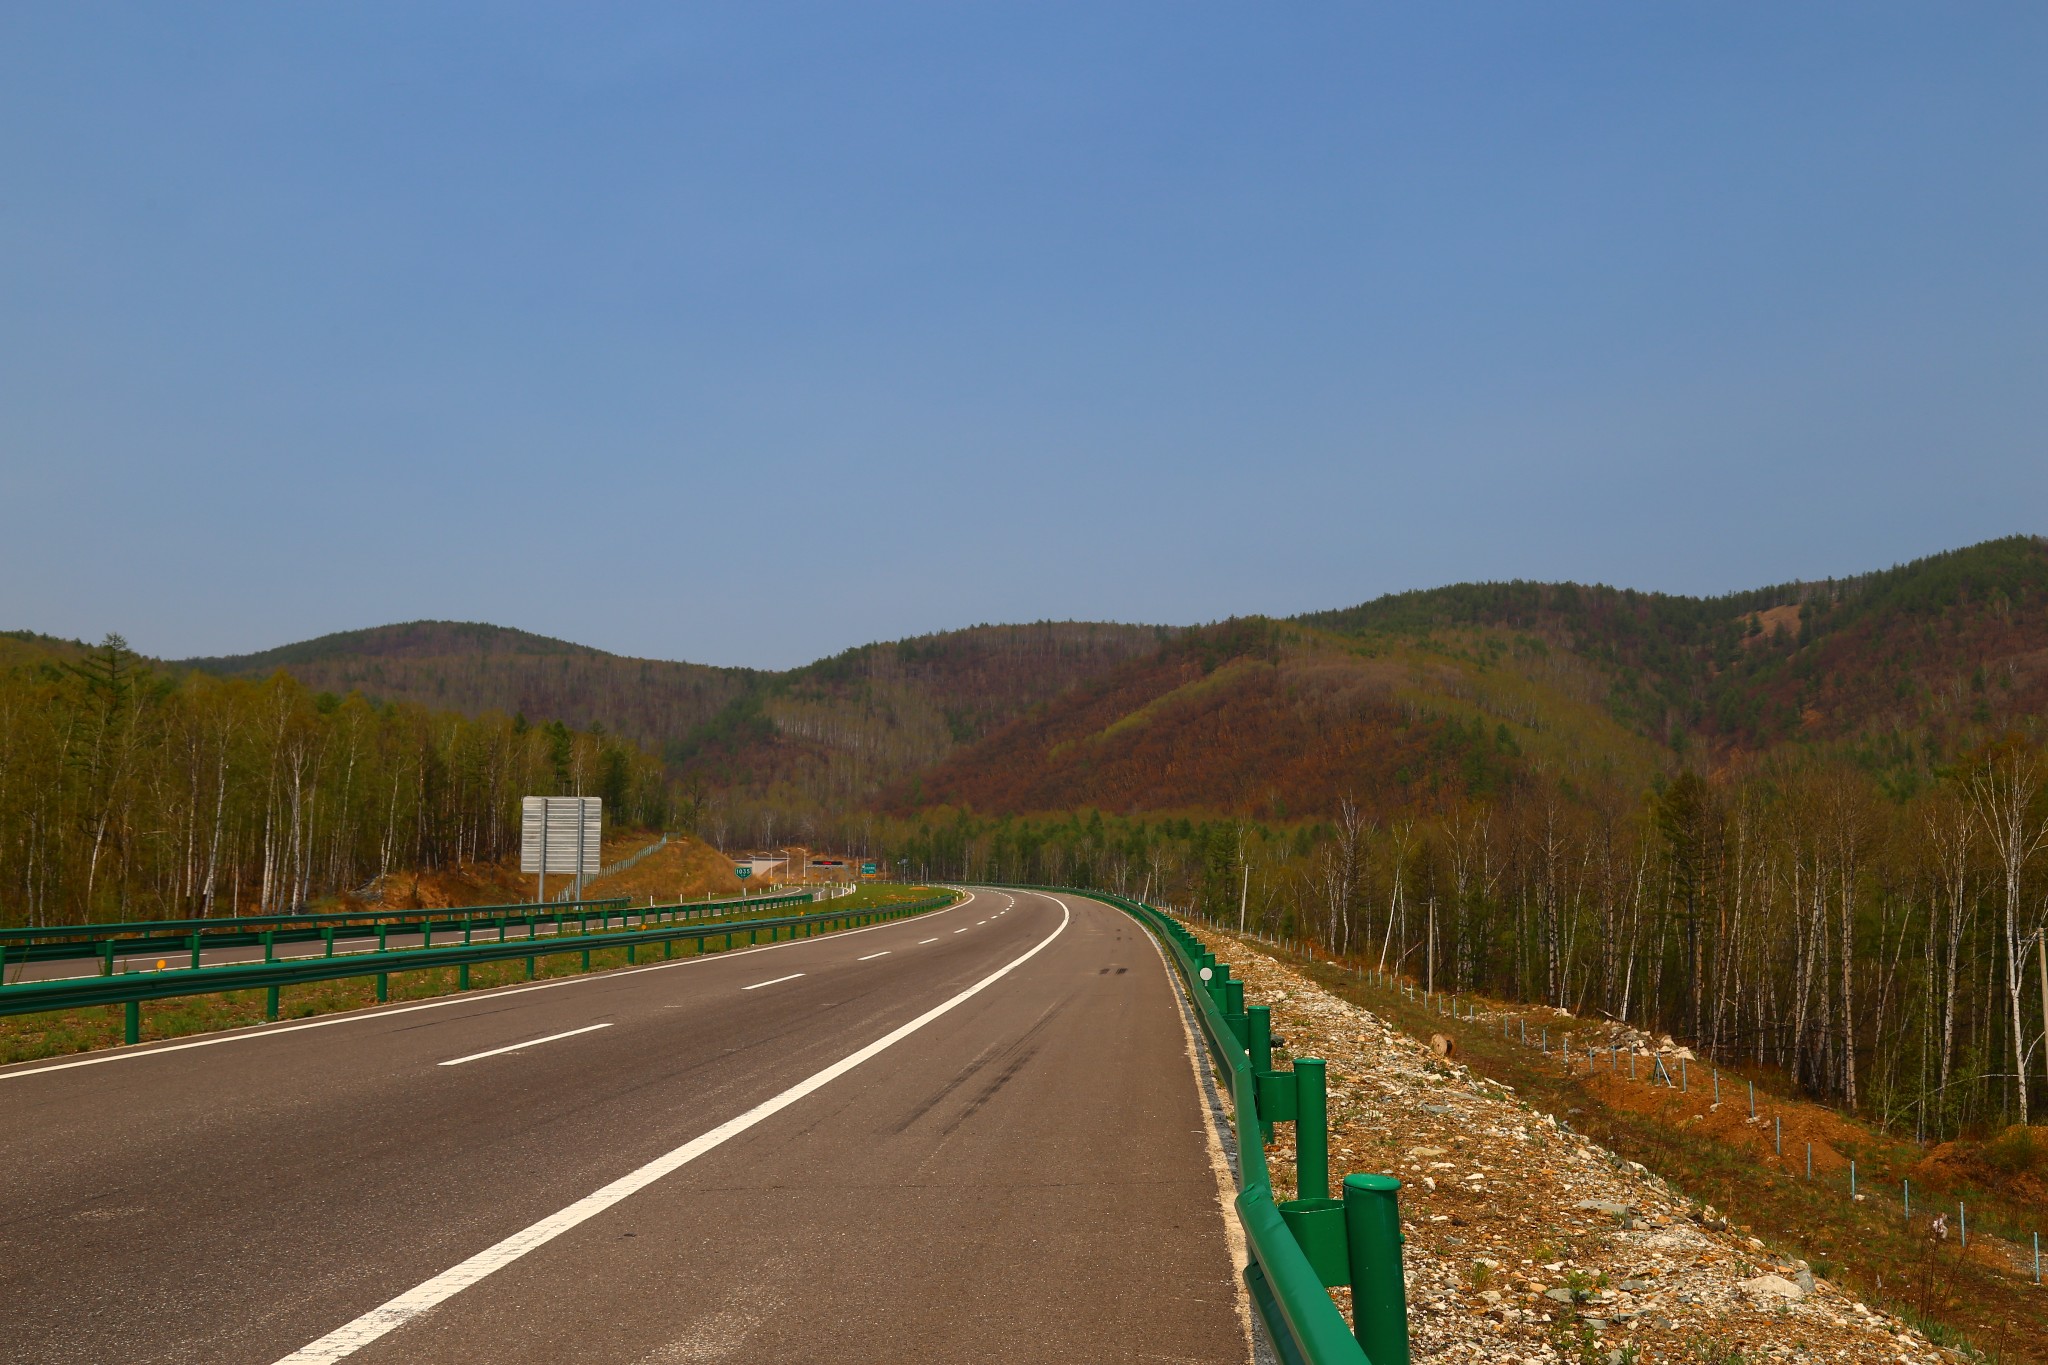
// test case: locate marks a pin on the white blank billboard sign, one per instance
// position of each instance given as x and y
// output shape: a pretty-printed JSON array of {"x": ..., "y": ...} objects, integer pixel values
[{"x": 573, "y": 830}]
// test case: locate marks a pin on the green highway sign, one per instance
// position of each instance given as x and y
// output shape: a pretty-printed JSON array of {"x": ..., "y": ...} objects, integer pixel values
[
  {"x": 867, "y": 869},
  {"x": 743, "y": 872}
]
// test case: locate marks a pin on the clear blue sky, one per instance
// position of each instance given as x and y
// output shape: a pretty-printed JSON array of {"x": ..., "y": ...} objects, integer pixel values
[{"x": 746, "y": 333}]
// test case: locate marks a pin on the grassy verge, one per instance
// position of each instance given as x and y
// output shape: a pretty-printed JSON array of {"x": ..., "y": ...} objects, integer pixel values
[
  {"x": 31, "y": 1037},
  {"x": 1975, "y": 1302}
]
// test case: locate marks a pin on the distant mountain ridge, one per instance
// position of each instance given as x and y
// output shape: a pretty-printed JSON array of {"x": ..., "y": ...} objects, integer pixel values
[
  {"x": 1457, "y": 692},
  {"x": 474, "y": 668},
  {"x": 401, "y": 640},
  {"x": 1460, "y": 689},
  {"x": 842, "y": 725}
]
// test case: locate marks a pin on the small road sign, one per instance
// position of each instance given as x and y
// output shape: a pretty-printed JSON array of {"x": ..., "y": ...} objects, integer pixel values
[
  {"x": 743, "y": 872},
  {"x": 563, "y": 835}
]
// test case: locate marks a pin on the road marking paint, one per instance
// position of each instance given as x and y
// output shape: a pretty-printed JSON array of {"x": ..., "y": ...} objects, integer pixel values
[
  {"x": 351, "y": 1337},
  {"x": 963, "y": 928},
  {"x": 776, "y": 982},
  {"x": 872, "y": 956},
  {"x": 921, "y": 942},
  {"x": 530, "y": 1042},
  {"x": 374, "y": 1012}
]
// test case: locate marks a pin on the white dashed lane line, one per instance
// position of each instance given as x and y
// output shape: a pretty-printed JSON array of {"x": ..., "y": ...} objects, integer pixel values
[
  {"x": 776, "y": 982},
  {"x": 963, "y": 928},
  {"x": 515, "y": 1047},
  {"x": 872, "y": 956},
  {"x": 921, "y": 942}
]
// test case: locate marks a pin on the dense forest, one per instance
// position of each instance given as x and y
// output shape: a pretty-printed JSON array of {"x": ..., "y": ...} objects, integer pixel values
[
  {"x": 129, "y": 792},
  {"x": 1802, "y": 828},
  {"x": 1883, "y": 953}
]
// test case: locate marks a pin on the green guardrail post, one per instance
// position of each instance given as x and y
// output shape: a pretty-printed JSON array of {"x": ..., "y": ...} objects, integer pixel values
[
  {"x": 270, "y": 947},
  {"x": 1259, "y": 1024},
  {"x": 132, "y": 1025},
  {"x": 1379, "y": 1294},
  {"x": 383, "y": 987},
  {"x": 427, "y": 932},
  {"x": 468, "y": 927},
  {"x": 195, "y": 948},
  {"x": 462, "y": 976},
  {"x": 586, "y": 959},
  {"x": 383, "y": 932},
  {"x": 327, "y": 933},
  {"x": 529, "y": 969},
  {"x": 107, "y": 958},
  {"x": 270, "y": 1003},
  {"x": 1315, "y": 1219},
  {"x": 1311, "y": 1128},
  {"x": 1219, "y": 974}
]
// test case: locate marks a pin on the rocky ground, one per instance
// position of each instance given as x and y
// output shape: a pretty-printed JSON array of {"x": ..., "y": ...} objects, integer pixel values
[{"x": 1527, "y": 1242}]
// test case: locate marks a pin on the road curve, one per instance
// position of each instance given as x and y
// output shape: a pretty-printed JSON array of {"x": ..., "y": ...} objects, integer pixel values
[{"x": 971, "y": 1135}]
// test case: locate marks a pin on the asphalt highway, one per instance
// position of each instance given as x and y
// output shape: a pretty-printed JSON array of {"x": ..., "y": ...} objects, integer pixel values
[{"x": 973, "y": 1135}]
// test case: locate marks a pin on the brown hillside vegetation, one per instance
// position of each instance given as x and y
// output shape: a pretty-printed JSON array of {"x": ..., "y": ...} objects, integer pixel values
[
  {"x": 683, "y": 869},
  {"x": 829, "y": 733},
  {"x": 1923, "y": 650},
  {"x": 832, "y": 733},
  {"x": 477, "y": 669},
  {"x": 1279, "y": 721},
  {"x": 26, "y": 647}
]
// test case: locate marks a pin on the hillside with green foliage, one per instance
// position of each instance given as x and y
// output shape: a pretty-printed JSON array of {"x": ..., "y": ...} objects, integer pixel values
[
  {"x": 475, "y": 669},
  {"x": 1924, "y": 650},
  {"x": 1804, "y": 829},
  {"x": 824, "y": 735},
  {"x": 130, "y": 791}
]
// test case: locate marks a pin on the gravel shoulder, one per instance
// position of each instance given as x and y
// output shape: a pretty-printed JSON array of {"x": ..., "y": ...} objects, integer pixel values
[{"x": 1527, "y": 1241}]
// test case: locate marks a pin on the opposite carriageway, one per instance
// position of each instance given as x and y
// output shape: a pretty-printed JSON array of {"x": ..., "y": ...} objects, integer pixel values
[
  {"x": 891, "y": 1143},
  {"x": 46, "y": 953}
]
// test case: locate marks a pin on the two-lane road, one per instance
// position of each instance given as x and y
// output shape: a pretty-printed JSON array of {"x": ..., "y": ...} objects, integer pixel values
[{"x": 971, "y": 1135}]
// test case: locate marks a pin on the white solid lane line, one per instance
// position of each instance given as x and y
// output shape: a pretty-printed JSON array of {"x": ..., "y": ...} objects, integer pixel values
[
  {"x": 776, "y": 982},
  {"x": 530, "y": 1042},
  {"x": 872, "y": 956},
  {"x": 346, "y": 1340}
]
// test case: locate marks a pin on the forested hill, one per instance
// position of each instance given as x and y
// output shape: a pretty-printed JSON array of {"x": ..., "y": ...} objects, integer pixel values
[
  {"x": 475, "y": 669},
  {"x": 1466, "y": 690},
  {"x": 1462, "y": 686},
  {"x": 831, "y": 731},
  {"x": 1936, "y": 646}
]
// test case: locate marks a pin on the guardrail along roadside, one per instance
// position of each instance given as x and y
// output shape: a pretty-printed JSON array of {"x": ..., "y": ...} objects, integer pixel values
[
  {"x": 1299, "y": 1249},
  {"x": 132, "y": 988},
  {"x": 82, "y": 942}
]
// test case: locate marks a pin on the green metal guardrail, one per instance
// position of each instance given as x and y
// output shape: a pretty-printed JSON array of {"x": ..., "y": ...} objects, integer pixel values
[
  {"x": 132, "y": 988},
  {"x": 79, "y": 942},
  {"x": 1308, "y": 1245}
]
